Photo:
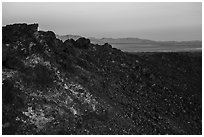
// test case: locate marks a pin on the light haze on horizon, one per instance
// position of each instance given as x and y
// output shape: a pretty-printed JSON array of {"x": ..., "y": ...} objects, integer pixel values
[{"x": 155, "y": 21}]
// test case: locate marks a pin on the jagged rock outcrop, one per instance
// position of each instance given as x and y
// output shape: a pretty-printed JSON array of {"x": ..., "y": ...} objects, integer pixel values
[
  {"x": 82, "y": 43},
  {"x": 107, "y": 45},
  {"x": 15, "y": 32},
  {"x": 76, "y": 87}
]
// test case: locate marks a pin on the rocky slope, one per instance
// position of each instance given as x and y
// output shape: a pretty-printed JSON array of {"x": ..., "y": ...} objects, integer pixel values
[{"x": 75, "y": 87}]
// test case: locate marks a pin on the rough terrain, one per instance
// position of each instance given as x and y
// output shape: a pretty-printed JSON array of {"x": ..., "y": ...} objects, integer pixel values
[{"x": 76, "y": 87}]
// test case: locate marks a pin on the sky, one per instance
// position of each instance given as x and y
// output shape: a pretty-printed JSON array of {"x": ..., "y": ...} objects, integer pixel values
[{"x": 155, "y": 21}]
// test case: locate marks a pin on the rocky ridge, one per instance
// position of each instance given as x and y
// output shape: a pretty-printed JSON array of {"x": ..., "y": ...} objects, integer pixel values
[{"x": 76, "y": 87}]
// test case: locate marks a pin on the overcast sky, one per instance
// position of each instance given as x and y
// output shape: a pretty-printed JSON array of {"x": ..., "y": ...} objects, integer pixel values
[{"x": 155, "y": 21}]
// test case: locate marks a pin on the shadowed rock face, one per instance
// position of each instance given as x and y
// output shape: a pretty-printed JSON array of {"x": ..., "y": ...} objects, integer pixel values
[
  {"x": 82, "y": 43},
  {"x": 12, "y": 33},
  {"x": 75, "y": 87}
]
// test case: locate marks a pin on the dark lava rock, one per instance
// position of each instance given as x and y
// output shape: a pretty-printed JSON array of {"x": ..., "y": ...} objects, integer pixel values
[
  {"x": 107, "y": 45},
  {"x": 75, "y": 87},
  {"x": 70, "y": 42},
  {"x": 82, "y": 43},
  {"x": 11, "y": 33}
]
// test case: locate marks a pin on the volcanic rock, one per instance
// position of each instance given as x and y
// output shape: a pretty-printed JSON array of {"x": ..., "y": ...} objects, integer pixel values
[
  {"x": 82, "y": 43},
  {"x": 76, "y": 87}
]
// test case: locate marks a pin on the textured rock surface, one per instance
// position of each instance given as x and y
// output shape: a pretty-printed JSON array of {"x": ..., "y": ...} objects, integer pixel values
[{"x": 75, "y": 87}]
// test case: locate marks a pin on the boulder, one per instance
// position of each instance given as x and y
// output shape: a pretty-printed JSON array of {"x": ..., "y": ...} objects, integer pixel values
[
  {"x": 70, "y": 42},
  {"x": 107, "y": 45},
  {"x": 82, "y": 43}
]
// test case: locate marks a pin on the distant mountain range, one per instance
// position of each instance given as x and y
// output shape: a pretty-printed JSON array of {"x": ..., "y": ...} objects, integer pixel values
[
  {"x": 137, "y": 44},
  {"x": 106, "y": 40}
]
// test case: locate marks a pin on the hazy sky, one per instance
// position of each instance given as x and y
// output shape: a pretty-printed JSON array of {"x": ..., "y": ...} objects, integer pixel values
[{"x": 156, "y": 21}]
